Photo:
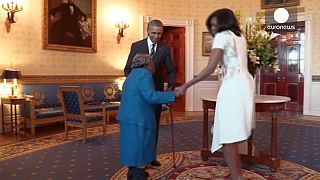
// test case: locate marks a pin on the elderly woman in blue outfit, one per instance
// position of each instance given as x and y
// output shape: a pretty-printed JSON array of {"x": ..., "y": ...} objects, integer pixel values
[{"x": 136, "y": 117}]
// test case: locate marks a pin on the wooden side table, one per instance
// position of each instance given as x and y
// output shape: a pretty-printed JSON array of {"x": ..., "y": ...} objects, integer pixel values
[
  {"x": 13, "y": 102},
  {"x": 263, "y": 103}
]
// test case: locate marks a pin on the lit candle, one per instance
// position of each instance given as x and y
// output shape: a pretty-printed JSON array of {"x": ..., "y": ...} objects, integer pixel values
[
  {"x": 4, "y": 81},
  {"x": 14, "y": 81}
]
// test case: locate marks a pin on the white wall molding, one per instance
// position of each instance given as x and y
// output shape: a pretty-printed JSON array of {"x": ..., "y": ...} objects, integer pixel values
[
  {"x": 307, "y": 17},
  {"x": 314, "y": 100}
]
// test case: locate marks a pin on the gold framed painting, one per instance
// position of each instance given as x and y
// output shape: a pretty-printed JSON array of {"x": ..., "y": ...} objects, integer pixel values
[
  {"x": 266, "y": 4},
  {"x": 70, "y": 25},
  {"x": 207, "y": 40}
]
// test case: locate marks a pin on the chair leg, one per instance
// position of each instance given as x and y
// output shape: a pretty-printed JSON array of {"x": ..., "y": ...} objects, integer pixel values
[
  {"x": 84, "y": 130},
  {"x": 33, "y": 130},
  {"x": 66, "y": 132},
  {"x": 108, "y": 118},
  {"x": 104, "y": 129}
]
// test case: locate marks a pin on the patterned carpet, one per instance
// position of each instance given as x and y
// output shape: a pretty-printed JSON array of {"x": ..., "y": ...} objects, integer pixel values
[
  {"x": 53, "y": 158},
  {"x": 190, "y": 166}
]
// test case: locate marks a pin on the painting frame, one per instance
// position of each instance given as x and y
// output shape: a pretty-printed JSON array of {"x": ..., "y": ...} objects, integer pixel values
[
  {"x": 269, "y": 4},
  {"x": 207, "y": 41},
  {"x": 86, "y": 41}
]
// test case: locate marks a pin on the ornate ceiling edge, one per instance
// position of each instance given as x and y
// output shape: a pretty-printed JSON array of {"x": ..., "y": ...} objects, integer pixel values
[{"x": 45, "y": 79}]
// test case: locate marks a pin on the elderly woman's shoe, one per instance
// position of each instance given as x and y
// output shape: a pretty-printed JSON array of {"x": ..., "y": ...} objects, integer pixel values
[
  {"x": 137, "y": 174},
  {"x": 130, "y": 173}
]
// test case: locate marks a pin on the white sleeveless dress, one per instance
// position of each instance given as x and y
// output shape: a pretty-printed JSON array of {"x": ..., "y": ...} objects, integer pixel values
[{"x": 235, "y": 101}]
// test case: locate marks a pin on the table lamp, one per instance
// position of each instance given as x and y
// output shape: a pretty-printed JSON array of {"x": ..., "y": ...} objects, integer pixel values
[
  {"x": 120, "y": 82},
  {"x": 11, "y": 74}
]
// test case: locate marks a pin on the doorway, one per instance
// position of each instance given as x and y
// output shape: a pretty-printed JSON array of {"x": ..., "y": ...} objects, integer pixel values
[
  {"x": 289, "y": 81},
  {"x": 175, "y": 38}
]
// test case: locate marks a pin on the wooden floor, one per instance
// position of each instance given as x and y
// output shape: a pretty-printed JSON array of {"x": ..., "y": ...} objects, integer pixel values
[{"x": 8, "y": 137}]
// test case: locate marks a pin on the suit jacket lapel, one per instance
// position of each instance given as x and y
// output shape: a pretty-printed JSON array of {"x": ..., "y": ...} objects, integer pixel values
[{"x": 145, "y": 47}]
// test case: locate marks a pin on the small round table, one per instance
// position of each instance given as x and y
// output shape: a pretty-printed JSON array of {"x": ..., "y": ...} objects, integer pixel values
[
  {"x": 264, "y": 103},
  {"x": 13, "y": 102}
]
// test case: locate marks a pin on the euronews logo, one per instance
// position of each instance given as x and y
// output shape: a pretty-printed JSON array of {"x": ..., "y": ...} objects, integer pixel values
[{"x": 281, "y": 19}]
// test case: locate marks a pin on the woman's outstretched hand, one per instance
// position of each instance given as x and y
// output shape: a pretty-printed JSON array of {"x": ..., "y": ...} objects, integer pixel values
[{"x": 179, "y": 91}]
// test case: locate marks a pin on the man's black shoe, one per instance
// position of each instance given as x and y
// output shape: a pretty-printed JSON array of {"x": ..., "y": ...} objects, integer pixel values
[{"x": 155, "y": 163}]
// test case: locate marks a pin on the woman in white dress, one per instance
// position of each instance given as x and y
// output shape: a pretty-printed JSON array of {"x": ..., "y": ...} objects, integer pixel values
[{"x": 235, "y": 101}]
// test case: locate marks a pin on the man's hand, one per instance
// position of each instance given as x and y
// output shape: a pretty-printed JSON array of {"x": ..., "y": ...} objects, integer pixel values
[
  {"x": 170, "y": 88},
  {"x": 51, "y": 18}
]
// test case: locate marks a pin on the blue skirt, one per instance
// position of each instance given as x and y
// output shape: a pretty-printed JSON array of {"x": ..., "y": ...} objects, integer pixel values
[{"x": 137, "y": 145}]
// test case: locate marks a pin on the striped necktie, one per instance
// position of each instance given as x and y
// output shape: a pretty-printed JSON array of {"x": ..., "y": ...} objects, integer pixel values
[{"x": 152, "y": 49}]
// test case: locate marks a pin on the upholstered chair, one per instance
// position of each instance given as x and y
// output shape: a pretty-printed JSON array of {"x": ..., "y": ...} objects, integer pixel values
[{"x": 77, "y": 114}]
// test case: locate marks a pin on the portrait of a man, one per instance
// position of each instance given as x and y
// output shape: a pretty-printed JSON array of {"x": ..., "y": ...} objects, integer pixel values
[{"x": 70, "y": 24}]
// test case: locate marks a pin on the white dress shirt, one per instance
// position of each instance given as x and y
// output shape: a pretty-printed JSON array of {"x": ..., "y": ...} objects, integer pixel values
[{"x": 150, "y": 45}]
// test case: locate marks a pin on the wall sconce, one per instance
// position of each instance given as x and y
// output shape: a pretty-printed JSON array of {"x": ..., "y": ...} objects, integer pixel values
[
  {"x": 12, "y": 6},
  {"x": 11, "y": 74},
  {"x": 121, "y": 26}
]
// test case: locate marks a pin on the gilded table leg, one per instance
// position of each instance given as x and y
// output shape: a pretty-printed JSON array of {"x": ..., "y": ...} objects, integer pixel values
[
  {"x": 25, "y": 117},
  {"x": 2, "y": 120},
  {"x": 204, "y": 151},
  {"x": 15, "y": 119},
  {"x": 11, "y": 118}
]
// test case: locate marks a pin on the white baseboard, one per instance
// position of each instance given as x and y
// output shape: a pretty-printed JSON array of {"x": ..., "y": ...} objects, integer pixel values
[
  {"x": 315, "y": 113},
  {"x": 314, "y": 99}
]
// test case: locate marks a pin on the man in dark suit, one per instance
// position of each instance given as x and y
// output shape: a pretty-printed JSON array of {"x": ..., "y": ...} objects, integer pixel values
[{"x": 161, "y": 55}]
